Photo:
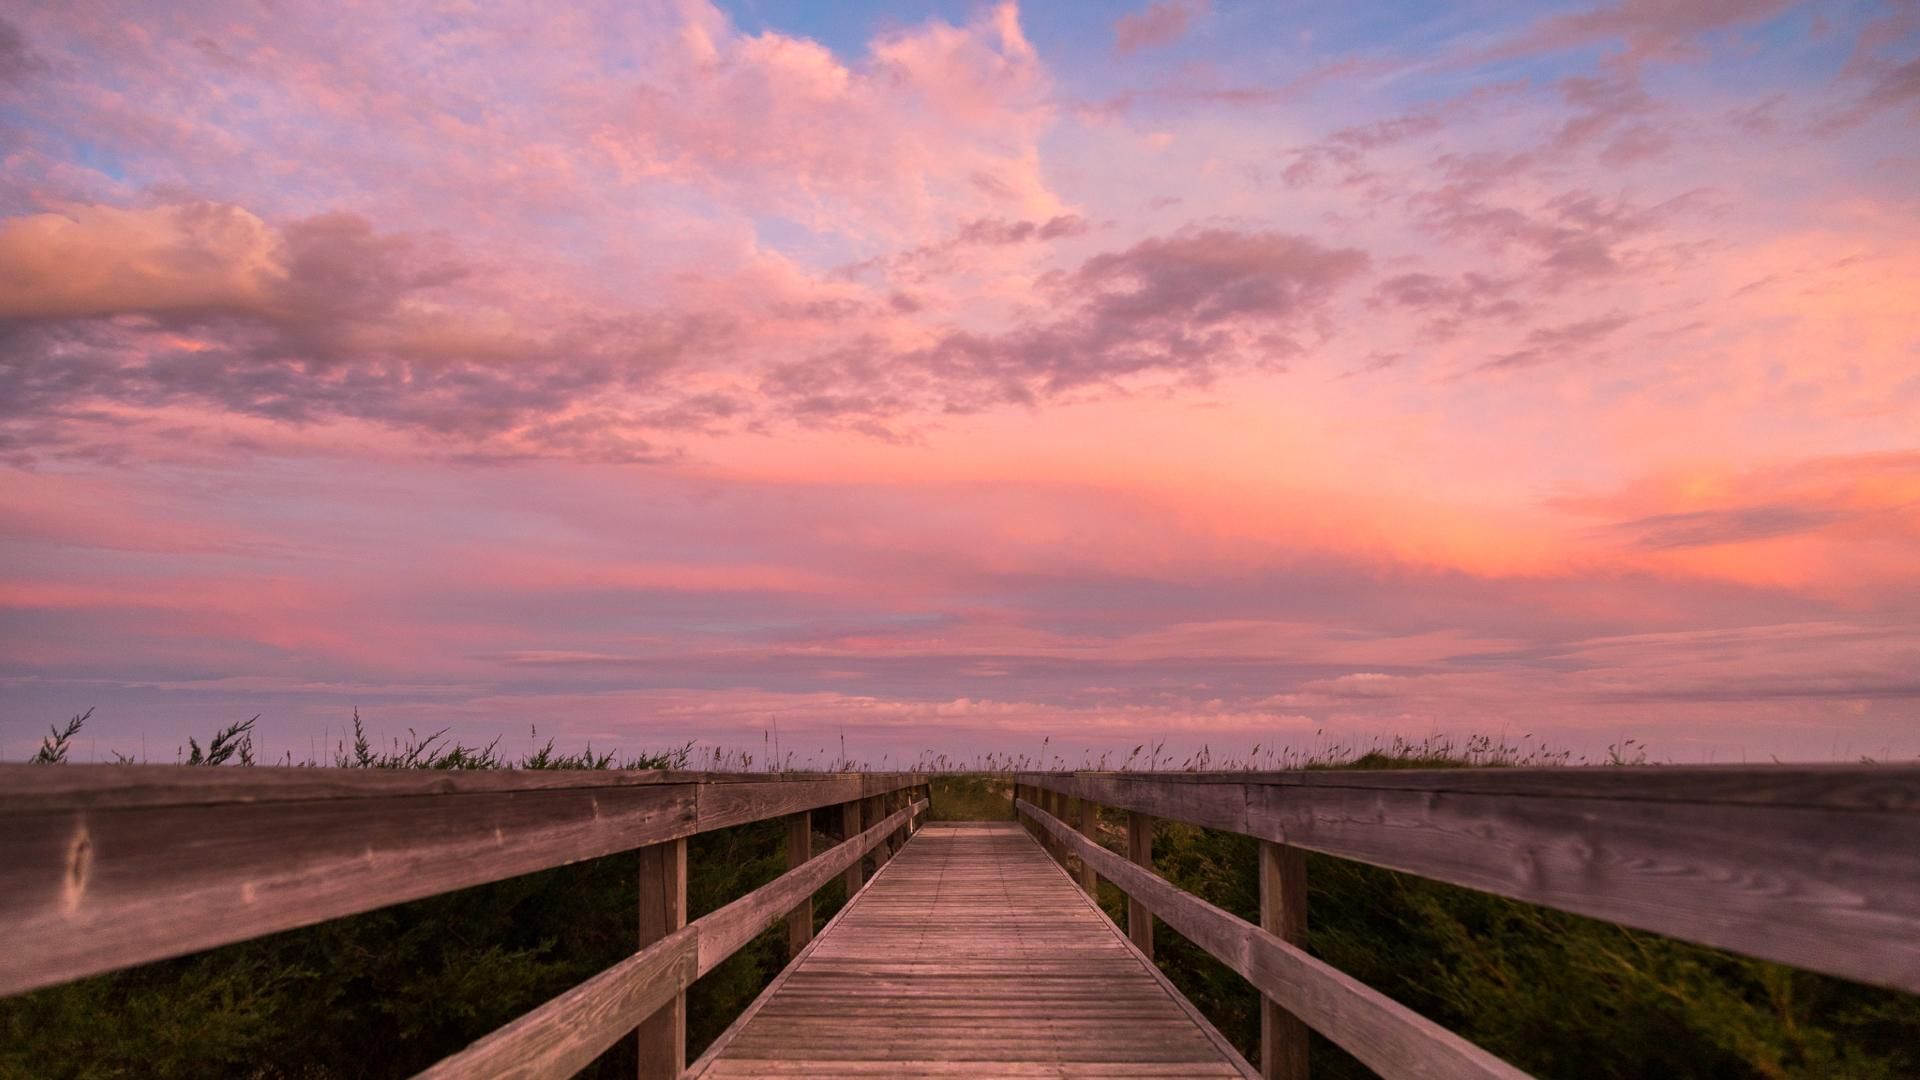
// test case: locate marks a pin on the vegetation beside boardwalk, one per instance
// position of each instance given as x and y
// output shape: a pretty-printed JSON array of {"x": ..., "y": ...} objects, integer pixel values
[
  {"x": 389, "y": 992},
  {"x": 386, "y": 993},
  {"x": 1558, "y": 995}
]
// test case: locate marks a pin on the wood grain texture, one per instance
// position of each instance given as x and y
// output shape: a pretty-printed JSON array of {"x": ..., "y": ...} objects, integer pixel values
[
  {"x": 105, "y": 867},
  {"x": 564, "y": 1035},
  {"x": 28, "y": 788},
  {"x": 737, "y": 802},
  {"x": 1088, "y": 824},
  {"x": 91, "y": 890},
  {"x": 1817, "y": 867},
  {"x": 1384, "y": 1035},
  {"x": 799, "y": 850},
  {"x": 1140, "y": 851},
  {"x": 1889, "y": 788},
  {"x": 724, "y": 931},
  {"x": 849, "y": 828},
  {"x": 1283, "y": 913},
  {"x": 662, "y": 1036},
  {"x": 970, "y": 955}
]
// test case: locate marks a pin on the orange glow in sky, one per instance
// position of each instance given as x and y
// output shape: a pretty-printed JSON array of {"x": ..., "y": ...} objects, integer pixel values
[{"x": 955, "y": 376}]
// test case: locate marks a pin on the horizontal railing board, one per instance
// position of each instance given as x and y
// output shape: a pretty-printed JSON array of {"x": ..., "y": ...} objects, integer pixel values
[
  {"x": 1867, "y": 787},
  {"x": 736, "y": 803},
  {"x": 568, "y": 1032},
  {"x": 726, "y": 930},
  {"x": 1383, "y": 1034},
  {"x": 26, "y": 788},
  {"x": 1834, "y": 889},
  {"x": 1818, "y": 889},
  {"x": 91, "y": 891},
  {"x": 89, "y": 884}
]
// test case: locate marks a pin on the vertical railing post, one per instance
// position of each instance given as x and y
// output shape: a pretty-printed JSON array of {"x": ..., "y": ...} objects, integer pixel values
[
  {"x": 1140, "y": 852},
  {"x": 1043, "y": 798},
  {"x": 850, "y": 827},
  {"x": 799, "y": 850},
  {"x": 902, "y": 798},
  {"x": 1057, "y": 806},
  {"x": 1283, "y": 913},
  {"x": 663, "y": 910},
  {"x": 1088, "y": 822},
  {"x": 876, "y": 812}
]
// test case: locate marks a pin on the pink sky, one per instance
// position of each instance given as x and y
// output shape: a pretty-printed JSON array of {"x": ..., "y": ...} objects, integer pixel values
[{"x": 955, "y": 377}]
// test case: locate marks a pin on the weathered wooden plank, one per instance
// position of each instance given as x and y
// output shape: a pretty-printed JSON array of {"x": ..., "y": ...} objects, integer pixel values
[
  {"x": 1877, "y": 787},
  {"x": 1283, "y": 913},
  {"x": 104, "y": 867},
  {"x": 31, "y": 788},
  {"x": 738, "y": 802},
  {"x": 1140, "y": 852},
  {"x": 799, "y": 850},
  {"x": 567, "y": 1033},
  {"x": 1836, "y": 891},
  {"x": 662, "y": 1036},
  {"x": 1213, "y": 805},
  {"x": 1384, "y": 1035},
  {"x": 1089, "y": 825},
  {"x": 970, "y": 955},
  {"x": 850, "y": 827},
  {"x": 89, "y": 890},
  {"x": 1880, "y": 788},
  {"x": 1814, "y": 867}
]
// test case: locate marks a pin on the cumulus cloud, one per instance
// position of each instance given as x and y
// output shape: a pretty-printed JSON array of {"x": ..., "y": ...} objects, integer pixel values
[
  {"x": 935, "y": 117},
  {"x": 92, "y": 261},
  {"x": 255, "y": 271},
  {"x": 316, "y": 319}
]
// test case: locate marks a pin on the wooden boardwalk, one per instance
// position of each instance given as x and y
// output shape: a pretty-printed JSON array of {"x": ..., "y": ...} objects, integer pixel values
[{"x": 971, "y": 954}]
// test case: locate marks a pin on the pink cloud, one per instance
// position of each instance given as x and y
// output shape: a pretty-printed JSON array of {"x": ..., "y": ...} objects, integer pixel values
[
  {"x": 633, "y": 369},
  {"x": 937, "y": 117},
  {"x": 1160, "y": 23},
  {"x": 1650, "y": 29}
]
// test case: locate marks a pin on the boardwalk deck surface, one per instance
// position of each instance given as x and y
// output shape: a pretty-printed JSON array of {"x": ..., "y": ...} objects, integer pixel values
[{"x": 971, "y": 954}]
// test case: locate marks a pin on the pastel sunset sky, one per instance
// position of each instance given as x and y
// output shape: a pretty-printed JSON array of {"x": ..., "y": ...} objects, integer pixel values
[{"x": 954, "y": 376}]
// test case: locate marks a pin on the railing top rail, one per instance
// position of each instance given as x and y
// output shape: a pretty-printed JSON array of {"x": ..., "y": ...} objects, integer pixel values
[
  {"x": 107, "y": 866},
  {"x": 1386, "y": 1036},
  {"x": 29, "y": 788},
  {"x": 564, "y": 1035},
  {"x": 1878, "y": 787},
  {"x": 1813, "y": 866}
]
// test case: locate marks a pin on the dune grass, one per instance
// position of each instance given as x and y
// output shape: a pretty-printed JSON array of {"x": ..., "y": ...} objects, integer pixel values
[{"x": 971, "y": 797}]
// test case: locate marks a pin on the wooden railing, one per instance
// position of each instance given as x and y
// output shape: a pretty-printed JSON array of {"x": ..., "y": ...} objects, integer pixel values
[
  {"x": 1816, "y": 867},
  {"x": 105, "y": 867}
]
